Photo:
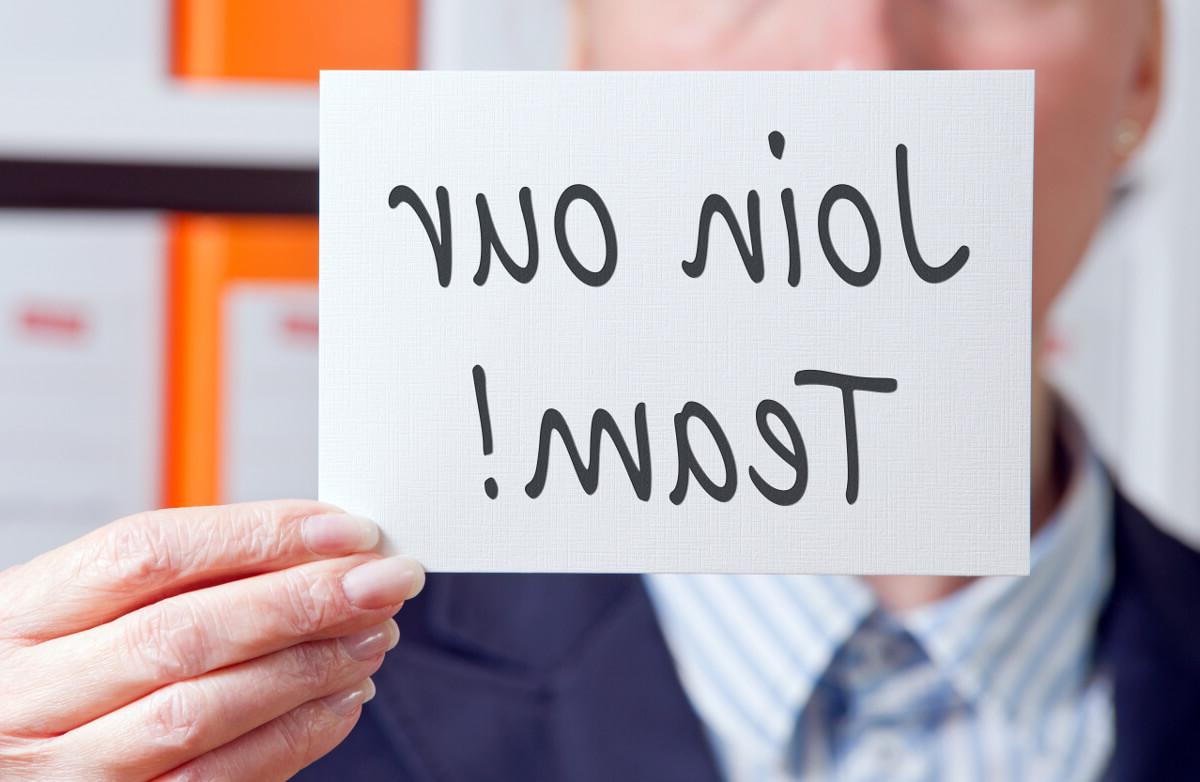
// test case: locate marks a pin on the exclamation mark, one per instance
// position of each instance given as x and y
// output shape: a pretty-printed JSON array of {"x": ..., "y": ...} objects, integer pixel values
[{"x": 485, "y": 424}]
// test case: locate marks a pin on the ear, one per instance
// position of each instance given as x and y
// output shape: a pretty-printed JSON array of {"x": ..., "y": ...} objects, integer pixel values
[{"x": 1144, "y": 92}]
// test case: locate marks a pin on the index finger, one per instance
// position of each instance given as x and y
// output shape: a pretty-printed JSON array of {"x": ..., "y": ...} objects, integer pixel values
[{"x": 143, "y": 558}]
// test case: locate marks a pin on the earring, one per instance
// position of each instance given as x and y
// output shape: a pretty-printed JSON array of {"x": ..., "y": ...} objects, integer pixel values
[{"x": 1126, "y": 138}]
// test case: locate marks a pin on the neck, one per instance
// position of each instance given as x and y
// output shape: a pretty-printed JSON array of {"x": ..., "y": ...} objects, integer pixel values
[{"x": 1047, "y": 484}]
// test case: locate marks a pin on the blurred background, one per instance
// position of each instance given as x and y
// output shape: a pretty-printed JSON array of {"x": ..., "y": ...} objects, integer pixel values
[{"x": 158, "y": 252}]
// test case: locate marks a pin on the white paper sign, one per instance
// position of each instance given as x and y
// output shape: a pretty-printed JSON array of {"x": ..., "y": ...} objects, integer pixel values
[{"x": 777, "y": 322}]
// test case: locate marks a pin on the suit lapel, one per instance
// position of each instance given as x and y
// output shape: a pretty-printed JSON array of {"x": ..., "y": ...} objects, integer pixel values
[
  {"x": 538, "y": 677},
  {"x": 549, "y": 677},
  {"x": 1150, "y": 639}
]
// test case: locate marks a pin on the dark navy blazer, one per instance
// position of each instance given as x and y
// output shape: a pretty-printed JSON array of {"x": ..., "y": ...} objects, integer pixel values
[{"x": 567, "y": 677}]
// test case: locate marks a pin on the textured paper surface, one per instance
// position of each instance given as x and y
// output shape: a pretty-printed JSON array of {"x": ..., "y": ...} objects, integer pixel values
[{"x": 944, "y": 460}]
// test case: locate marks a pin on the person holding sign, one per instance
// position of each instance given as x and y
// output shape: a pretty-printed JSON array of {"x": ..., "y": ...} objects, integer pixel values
[{"x": 236, "y": 643}]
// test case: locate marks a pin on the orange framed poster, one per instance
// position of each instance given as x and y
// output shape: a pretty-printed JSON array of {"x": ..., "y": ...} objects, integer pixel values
[
  {"x": 291, "y": 40},
  {"x": 225, "y": 271}
]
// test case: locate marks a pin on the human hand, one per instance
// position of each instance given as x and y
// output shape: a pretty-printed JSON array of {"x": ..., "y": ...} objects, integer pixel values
[{"x": 219, "y": 643}]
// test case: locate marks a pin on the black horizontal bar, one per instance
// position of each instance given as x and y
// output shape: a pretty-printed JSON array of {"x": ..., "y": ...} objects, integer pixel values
[{"x": 57, "y": 184}]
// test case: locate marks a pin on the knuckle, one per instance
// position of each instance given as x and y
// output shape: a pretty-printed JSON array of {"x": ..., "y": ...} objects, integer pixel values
[
  {"x": 312, "y": 664},
  {"x": 170, "y": 641},
  {"x": 139, "y": 554},
  {"x": 312, "y": 603},
  {"x": 175, "y": 719},
  {"x": 263, "y": 536},
  {"x": 248, "y": 532},
  {"x": 266, "y": 530},
  {"x": 297, "y": 731}
]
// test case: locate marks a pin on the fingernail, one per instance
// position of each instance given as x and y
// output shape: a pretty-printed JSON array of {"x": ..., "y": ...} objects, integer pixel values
[
  {"x": 373, "y": 642},
  {"x": 347, "y": 702},
  {"x": 383, "y": 582},
  {"x": 339, "y": 534}
]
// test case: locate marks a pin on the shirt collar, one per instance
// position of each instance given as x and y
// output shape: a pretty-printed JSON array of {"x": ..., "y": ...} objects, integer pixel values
[
  {"x": 1020, "y": 644},
  {"x": 750, "y": 649}
]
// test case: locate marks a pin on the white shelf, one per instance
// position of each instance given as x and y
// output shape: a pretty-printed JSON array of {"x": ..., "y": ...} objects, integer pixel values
[
  {"x": 163, "y": 121},
  {"x": 92, "y": 81}
]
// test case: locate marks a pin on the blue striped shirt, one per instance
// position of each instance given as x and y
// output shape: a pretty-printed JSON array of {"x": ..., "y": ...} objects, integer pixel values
[{"x": 807, "y": 677}]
